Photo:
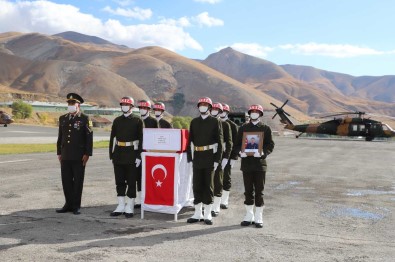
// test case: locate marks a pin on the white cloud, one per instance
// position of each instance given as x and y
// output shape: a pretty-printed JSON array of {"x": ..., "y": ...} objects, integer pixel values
[
  {"x": 208, "y": 1},
  {"x": 123, "y": 2},
  {"x": 203, "y": 19},
  {"x": 333, "y": 50},
  {"x": 136, "y": 12},
  {"x": 182, "y": 22},
  {"x": 252, "y": 49},
  {"x": 51, "y": 18}
]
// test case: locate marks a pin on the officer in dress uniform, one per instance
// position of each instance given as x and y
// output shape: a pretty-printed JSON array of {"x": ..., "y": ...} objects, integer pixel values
[
  {"x": 254, "y": 167},
  {"x": 205, "y": 151},
  {"x": 227, "y": 182},
  {"x": 125, "y": 153},
  {"x": 149, "y": 122},
  {"x": 216, "y": 110},
  {"x": 74, "y": 146},
  {"x": 159, "y": 109}
]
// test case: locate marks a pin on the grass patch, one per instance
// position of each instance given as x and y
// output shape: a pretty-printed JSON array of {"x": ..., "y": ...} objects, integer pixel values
[{"x": 7, "y": 149}]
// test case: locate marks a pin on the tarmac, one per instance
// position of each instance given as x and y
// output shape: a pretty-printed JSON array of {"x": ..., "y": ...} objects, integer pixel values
[{"x": 326, "y": 200}]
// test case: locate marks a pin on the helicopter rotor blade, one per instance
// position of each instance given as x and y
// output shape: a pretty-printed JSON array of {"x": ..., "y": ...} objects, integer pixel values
[
  {"x": 274, "y": 115},
  {"x": 284, "y": 103},
  {"x": 274, "y": 105}
]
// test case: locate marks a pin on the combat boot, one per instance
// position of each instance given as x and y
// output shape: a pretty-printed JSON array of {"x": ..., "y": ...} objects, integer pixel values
[
  {"x": 208, "y": 219},
  {"x": 197, "y": 216},
  {"x": 129, "y": 208},
  {"x": 216, "y": 206},
  {"x": 249, "y": 217},
  {"x": 258, "y": 216},
  {"x": 120, "y": 208},
  {"x": 224, "y": 199}
]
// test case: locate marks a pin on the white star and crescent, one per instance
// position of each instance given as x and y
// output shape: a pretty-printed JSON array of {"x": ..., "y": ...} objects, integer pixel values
[{"x": 162, "y": 167}]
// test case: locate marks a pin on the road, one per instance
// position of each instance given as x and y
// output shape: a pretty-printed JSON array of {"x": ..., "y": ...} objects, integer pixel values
[
  {"x": 325, "y": 200},
  {"x": 26, "y": 134}
]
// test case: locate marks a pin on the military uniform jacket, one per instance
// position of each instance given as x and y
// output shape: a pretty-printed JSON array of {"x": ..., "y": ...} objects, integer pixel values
[
  {"x": 151, "y": 122},
  {"x": 75, "y": 137},
  {"x": 234, "y": 154},
  {"x": 126, "y": 129},
  {"x": 204, "y": 132},
  {"x": 251, "y": 163},
  {"x": 228, "y": 142},
  {"x": 164, "y": 124}
]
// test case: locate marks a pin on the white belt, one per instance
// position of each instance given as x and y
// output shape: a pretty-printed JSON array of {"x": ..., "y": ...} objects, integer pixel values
[
  {"x": 214, "y": 147},
  {"x": 134, "y": 143}
]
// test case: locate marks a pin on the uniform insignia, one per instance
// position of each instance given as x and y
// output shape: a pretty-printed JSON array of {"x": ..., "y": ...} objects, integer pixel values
[{"x": 90, "y": 124}]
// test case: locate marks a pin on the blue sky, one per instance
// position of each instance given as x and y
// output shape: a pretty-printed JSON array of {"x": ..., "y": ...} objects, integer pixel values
[{"x": 348, "y": 36}]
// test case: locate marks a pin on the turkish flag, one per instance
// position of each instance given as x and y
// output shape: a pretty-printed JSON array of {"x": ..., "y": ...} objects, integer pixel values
[{"x": 159, "y": 180}]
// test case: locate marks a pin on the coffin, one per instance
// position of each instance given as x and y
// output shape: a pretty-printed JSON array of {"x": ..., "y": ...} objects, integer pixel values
[{"x": 165, "y": 140}]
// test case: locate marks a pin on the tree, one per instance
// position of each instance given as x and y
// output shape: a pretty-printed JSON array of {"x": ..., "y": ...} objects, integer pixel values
[
  {"x": 181, "y": 122},
  {"x": 21, "y": 110}
]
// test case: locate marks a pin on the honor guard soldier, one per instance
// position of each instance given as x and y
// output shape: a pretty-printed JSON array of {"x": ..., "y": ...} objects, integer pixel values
[
  {"x": 159, "y": 109},
  {"x": 254, "y": 167},
  {"x": 149, "y": 122},
  {"x": 216, "y": 110},
  {"x": 227, "y": 181},
  {"x": 204, "y": 151},
  {"x": 125, "y": 153},
  {"x": 74, "y": 146}
]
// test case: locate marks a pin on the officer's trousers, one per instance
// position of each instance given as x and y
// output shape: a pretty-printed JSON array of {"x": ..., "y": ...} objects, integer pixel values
[
  {"x": 203, "y": 185},
  {"x": 125, "y": 177},
  {"x": 227, "y": 180},
  {"x": 73, "y": 173},
  {"x": 218, "y": 181},
  {"x": 254, "y": 183}
]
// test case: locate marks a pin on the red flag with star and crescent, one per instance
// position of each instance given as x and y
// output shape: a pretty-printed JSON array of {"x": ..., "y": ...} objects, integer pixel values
[{"x": 159, "y": 180}]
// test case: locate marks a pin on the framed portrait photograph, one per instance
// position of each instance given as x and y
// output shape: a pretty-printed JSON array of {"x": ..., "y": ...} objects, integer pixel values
[{"x": 252, "y": 142}]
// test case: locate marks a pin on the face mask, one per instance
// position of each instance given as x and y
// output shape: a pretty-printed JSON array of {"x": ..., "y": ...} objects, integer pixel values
[
  {"x": 255, "y": 116},
  {"x": 158, "y": 113},
  {"x": 223, "y": 115},
  {"x": 214, "y": 112},
  {"x": 203, "y": 109},
  {"x": 125, "y": 109},
  {"x": 143, "y": 112},
  {"x": 72, "y": 109}
]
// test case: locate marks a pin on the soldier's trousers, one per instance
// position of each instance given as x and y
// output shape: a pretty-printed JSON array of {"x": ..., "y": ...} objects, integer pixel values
[
  {"x": 218, "y": 181},
  {"x": 203, "y": 185},
  {"x": 138, "y": 177},
  {"x": 73, "y": 173},
  {"x": 125, "y": 177},
  {"x": 254, "y": 183},
  {"x": 227, "y": 180}
]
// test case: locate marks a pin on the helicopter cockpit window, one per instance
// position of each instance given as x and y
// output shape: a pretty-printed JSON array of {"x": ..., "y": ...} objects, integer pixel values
[
  {"x": 361, "y": 127},
  {"x": 354, "y": 128},
  {"x": 385, "y": 127}
]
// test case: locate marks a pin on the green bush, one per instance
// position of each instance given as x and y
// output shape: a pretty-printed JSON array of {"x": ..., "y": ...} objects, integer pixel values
[
  {"x": 181, "y": 122},
  {"x": 21, "y": 110}
]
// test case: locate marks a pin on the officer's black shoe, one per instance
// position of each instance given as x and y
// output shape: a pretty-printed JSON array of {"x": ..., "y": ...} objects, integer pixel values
[
  {"x": 208, "y": 222},
  {"x": 224, "y": 206},
  {"x": 64, "y": 209},
  {"x": 214, "y": 214},
  {"x": 193, "y": 220},
  {"x": 137, "y": 206},
  {"x": 246, "y": 223},
  {"x": 259, "y": 225},
  {"x": 76, "y": 211},
  {"x": 115, "y": 214},
  {"x": 128, "y": 215}
]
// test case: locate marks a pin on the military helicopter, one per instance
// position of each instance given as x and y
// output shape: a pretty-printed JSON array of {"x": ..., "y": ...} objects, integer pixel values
[
  {"x": 5, "y": 119},
  {"x": 345, "y": 126}
]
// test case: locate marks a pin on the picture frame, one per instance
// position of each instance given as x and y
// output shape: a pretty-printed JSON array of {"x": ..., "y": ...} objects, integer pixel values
[{"x": 252, "y": 142}]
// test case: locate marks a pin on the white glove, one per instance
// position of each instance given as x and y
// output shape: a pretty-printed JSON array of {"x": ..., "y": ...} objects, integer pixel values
[
  {"x": 243, "y": 155},
  {"x": 257, "y": 154},
  {"x": 224, "y": 163},
  {"x": 215, "y": 166},
  {"x": 232, "y": 163},
  {"x": 138, "y": 162}
]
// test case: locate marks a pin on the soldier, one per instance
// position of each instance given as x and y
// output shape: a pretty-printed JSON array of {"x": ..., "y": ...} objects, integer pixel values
[
  {"x": 74, "y": 146},
  {"x": 205, "y": 150},
  {"x": 125, "y": 152},
  {"x": 216, "y": 110},
  {"x": 254, "y": 167},
  {"x": 227, "y": 182},
  {"x": 159, "y": 109},
  {"x": 149, "y": 122}
]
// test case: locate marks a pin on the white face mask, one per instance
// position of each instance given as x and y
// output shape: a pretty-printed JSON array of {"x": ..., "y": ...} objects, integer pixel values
[
  {"x": 203, "y": 109},
  {"x": 158, "y": 113},
  {"x": 214, "y": 112},
  {"x": 223, "y": 115},
  {"x": 143, "y": 112},
  {"x": 125, "y": 109},
  {"x": 72, "y": 109},
  {"x": 255, "y": 116}
]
